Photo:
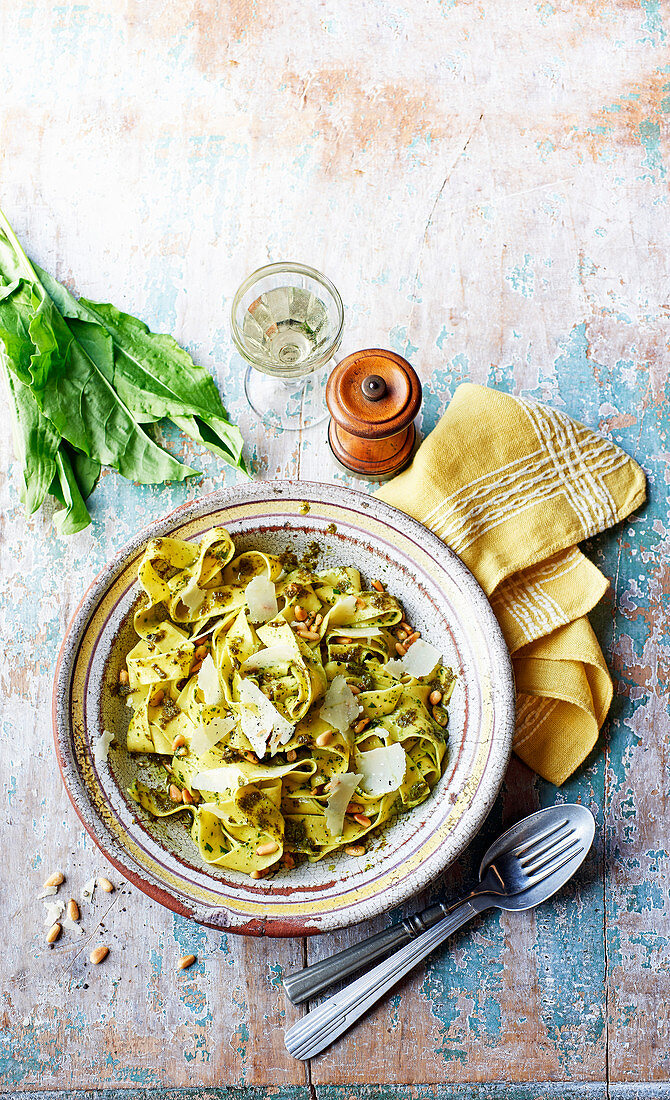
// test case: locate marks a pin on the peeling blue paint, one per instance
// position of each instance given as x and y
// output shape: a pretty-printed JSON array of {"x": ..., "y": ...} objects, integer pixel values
[
  {"x": 653, "y": 23},
  {"x": 522, "y": 277},
  {"x": 401, "y": 343},
  {"x": 650, "y": 139}
]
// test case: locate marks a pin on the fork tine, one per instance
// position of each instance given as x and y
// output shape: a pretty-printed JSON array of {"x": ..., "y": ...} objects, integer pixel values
[
  {"x": 525, "y": 849},
  {"x": 550, "y": 865},
  {"x": 534, "y": 853},
  {"x": 550, "y": 853},
  {"x": 544, "y": 874}
]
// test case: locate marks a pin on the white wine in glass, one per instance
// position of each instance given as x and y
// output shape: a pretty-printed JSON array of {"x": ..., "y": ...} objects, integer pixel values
[{"x": 287, "y": 322}]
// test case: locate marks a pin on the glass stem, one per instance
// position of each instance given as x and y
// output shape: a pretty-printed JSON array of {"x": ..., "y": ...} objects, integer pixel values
[{"x": 294, "y": 385}]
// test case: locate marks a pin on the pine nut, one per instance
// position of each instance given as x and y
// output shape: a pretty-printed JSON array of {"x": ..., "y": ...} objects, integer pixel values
[
  {"x": 354, "y": 689},
  {"x": 363, "y": 820},
  {"x": 288, "y": 861},
  {"x": 267, "y": 849},
  {"x": 72, "y": 910},
  {"x": 413, "y": 638},
  {"x": 400, "y": 649},
  {"x": 354, "y": 808},
  {"x": 201, "y": 652},
  {"x": 309, "y": 635},
  {"x": 251, "y": 757},
  {"x": 324, "y": 738},
  {"x": 440, "y": 716},
  {"x": 168, "y": 767},
  {"x": 195, "y": 667},
  {"x": 55, "y": 880},
  {"x": 157, "y": 698},
  {"x": 401, "y": 634},
  {"x": 360, "y": 603},
  {"x": 291, "y": 756},
  {"x": 178, "y": 742},
  {"x": 106, "y": 885},
  {"x": 175, "y": 792},
  {"x": 183, "y": 751},
  {"x": 318, "y": 619},
  {"x": 98, "y": 954},
  {"x": 434, "y": 698},
  {"x": 378, "y": 585},
  {"x": 186, "y": 961},
  {"x": 54, "y": 932},
  {"x": 360, "y": 726},
  {"x": 405, "y": 626},
  {"x": 258, "y": 874},
  {"x": 299, "y": 613},
  {"x": 187, "y": 797},
  {"x": 123, "y": 676},
  {"x": 355, "y": 850}
]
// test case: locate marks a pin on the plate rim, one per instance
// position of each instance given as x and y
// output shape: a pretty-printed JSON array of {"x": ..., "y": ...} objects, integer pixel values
[{"x": 257, "y": 492}]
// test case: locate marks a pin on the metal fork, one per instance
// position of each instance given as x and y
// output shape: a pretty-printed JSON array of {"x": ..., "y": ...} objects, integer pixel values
[{"x": 524, "y": 867}]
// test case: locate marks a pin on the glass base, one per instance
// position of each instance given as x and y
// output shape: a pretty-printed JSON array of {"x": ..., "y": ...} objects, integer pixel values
[{"x": 293, "y": 404}]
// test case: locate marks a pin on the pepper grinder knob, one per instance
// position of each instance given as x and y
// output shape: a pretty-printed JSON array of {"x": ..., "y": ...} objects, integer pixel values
[
  {"x": 374, "y": 387},
  {"x": 373, "y": 397}
]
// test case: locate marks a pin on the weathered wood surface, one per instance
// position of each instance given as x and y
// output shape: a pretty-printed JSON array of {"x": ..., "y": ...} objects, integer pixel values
[{"x": 487, "y": 185}]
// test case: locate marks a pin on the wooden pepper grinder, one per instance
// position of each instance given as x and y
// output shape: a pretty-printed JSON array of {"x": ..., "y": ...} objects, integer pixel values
[{"x": 373, "y": 397}]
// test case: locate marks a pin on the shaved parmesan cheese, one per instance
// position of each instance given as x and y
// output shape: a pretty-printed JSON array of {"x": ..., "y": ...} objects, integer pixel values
[
  {"x": 53, "y": 910},
  {"x": 338, "y": 800},
  {"x": 420, "y": 660},
  {"x": 208, "y": 682},
  {"x": 273, "y": 655},
  {"x": 219, "y": 780},
  {"x": 261, "y": 720},
  {"x": 280, "y": 738},
  {"x": 229, "y": 777},
  {"x": 262, "y": 600},
  {"x": 382, "y": 770},
  {"x": 88, "y": 889},
  {"x": 193, "y": 597},
  {"x": 340, "y": 706},
  {"x": 47, "y": 891},
  {"x": 394, "y": 668},
  {"x": 208, "y": 734},
  {"x": 342, "y": 610},
  {"x": 358, "y": 631},
  {"x": 101, "y": 747},
  {"x": 72, "y": 925}
]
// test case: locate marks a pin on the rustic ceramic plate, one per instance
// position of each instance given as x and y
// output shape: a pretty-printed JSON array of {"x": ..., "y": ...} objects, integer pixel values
[{"x": 441, "y": 598}]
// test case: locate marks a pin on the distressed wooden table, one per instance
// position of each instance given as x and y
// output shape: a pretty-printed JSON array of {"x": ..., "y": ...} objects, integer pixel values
[{"x": 486, "y": 183}]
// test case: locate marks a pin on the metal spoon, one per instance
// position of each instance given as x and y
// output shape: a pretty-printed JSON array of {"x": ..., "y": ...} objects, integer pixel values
[{"x": 524, "y": 867}]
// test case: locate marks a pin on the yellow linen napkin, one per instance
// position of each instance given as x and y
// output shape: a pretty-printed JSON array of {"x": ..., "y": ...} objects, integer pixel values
[{"x": 512, "y": 486}]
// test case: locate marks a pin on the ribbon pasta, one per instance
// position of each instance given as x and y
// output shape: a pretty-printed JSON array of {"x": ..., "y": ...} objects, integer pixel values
[{"x": 284, "y": 739}]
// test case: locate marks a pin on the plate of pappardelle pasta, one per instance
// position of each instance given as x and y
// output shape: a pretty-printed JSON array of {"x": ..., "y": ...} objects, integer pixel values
[{"x": 284, "y": 708}]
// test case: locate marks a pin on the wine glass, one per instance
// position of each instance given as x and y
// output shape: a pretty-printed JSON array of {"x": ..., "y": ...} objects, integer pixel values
[{"x": 287, "y": 322}]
